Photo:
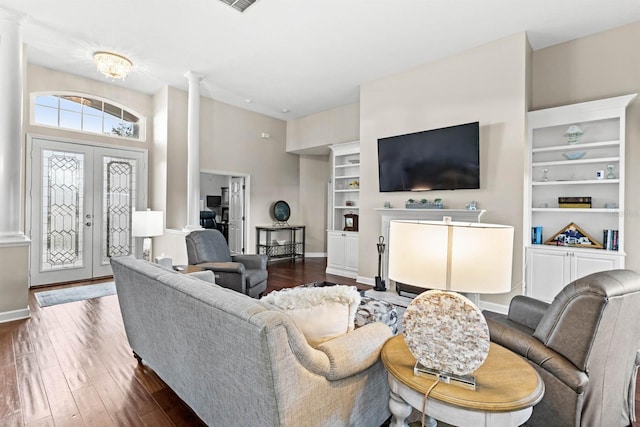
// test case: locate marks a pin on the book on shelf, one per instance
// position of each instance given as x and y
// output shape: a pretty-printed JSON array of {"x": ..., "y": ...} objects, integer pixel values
[
  {"x": 610, "y": 239},
  {"x": 574, "y": 205},
  {"x": 583, "y": 199}
]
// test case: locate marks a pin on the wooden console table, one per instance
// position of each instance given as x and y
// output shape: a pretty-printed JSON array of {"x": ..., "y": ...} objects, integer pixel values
[
  {"x": 291, "y": 237},
  {"x": 507, "y": 387}
]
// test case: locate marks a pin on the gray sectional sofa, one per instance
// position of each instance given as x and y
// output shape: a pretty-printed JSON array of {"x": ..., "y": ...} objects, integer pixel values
[{"x": 237, "y": 361}]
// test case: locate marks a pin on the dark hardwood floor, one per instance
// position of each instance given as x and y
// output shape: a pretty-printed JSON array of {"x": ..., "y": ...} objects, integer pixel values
[{"x": 71, "y": 364}]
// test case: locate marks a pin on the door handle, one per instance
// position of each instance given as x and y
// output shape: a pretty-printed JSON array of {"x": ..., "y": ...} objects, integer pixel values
[{"x": 88, "y": 224}]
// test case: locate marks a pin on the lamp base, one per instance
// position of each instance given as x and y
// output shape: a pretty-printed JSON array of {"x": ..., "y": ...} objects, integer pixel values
[
  {"x": 464, "y": 381},
  {"x": 146, "y": 249}
]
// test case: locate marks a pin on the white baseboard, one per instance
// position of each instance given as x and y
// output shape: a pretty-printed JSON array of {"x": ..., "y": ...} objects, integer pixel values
[
  {"x": 341, "y": 272},
  {"x": 9, "y": 316},
  {"x": 315, "y": 255},
  {"x": 366, "y": 280}
]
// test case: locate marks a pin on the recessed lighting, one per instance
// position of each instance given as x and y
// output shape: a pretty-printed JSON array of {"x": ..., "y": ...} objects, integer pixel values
[
  {"x": 248, "y": 101},
  {"x": 285, "y": 110}
]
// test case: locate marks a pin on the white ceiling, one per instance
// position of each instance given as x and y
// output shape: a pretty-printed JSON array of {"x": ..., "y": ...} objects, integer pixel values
[{"x": 302, "y": 55}]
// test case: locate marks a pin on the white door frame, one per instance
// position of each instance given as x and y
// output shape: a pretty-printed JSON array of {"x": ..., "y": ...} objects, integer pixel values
[
  {"x": 142, "y": 175},
  {"x": 247, "y": 202}
]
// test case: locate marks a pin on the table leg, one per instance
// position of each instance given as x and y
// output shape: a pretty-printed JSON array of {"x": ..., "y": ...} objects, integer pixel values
[{"x": 400, "y": 410}]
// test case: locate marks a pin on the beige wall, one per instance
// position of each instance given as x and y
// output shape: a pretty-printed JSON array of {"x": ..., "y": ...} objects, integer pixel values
[
  {"x": 314, "y": 179},
  {"x": 485, "y": 84},
  {"x": 231, "y": 142},
  {"x": 307, "y": 134},
  {"x": 599, "y": 66},
  {"x": 14, "y": 264}
]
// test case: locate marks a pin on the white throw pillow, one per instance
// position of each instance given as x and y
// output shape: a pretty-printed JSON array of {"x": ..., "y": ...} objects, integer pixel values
[{"x": 321, "y": 313}]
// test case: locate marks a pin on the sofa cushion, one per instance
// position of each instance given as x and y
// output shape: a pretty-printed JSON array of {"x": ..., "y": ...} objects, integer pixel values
[{"x": 321, "y": 313}]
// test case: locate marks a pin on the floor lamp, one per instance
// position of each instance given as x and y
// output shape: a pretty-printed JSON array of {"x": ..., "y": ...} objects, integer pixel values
[
  {"x": 147, "y": 224},
  {"x": 445, "y": 331}
]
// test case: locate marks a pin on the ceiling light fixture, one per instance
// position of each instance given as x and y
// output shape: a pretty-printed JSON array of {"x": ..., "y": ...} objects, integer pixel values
[
  {"x": 112, "y": 65},
  {"x": 239, "y": 5}
]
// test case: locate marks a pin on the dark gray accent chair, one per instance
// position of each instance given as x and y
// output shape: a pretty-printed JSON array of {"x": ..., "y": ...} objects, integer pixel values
[
  {"x": 585, "y": 346},
  {"x": 246, "y": 274}
]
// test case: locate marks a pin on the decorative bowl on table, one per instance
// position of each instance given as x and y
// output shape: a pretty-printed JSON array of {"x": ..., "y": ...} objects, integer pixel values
[{"x": 574, "y": 155}]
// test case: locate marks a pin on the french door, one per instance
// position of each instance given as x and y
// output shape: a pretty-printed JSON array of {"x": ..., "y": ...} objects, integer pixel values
[{"x": 81, "y": 199}]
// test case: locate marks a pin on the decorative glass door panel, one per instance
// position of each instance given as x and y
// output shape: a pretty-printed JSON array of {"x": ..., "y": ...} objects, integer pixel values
[{"x": 81, "y": 203}]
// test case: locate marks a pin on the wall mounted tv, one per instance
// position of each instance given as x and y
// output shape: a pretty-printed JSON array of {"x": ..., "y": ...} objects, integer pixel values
[{"x": 438, "y": 159}]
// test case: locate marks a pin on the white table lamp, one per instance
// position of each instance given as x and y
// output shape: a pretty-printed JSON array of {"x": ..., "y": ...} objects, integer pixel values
[
  {"x": 147, "y": 224},
  {"x": 445, "y": 331}
]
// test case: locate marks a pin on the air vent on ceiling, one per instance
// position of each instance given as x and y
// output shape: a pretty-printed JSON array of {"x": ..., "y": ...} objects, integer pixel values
[{"x": 240, "y": 5}]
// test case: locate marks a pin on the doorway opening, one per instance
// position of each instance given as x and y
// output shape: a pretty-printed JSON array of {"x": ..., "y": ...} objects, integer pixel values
[{"x": 226, "y": 196}]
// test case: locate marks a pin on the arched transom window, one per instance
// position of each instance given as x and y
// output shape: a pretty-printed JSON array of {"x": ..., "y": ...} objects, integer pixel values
[{"x": 86, "y": 113}]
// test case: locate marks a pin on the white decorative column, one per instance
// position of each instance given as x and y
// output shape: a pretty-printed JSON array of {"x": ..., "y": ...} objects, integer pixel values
[
  {"x": 193, "y": 152},
  {"x": 14, "y": 245},
  {"x": 11, "y": 140}
]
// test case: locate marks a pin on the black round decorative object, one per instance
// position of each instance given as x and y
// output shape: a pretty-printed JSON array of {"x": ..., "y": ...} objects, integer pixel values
[{"x": 281, "y": 211}]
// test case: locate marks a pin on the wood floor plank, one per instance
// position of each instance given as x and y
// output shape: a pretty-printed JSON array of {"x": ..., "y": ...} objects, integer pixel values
[
  {"x": 21, "y": 338},
  {"x": 157, "y": 419},
  {"x": 65, "y": 353},
  {"x": 43, "y": 422},
  {"x": 9, "y": 393},
  {"x": 115, "y": 402},
  {"x": 61, "y": 402},
  {"x": 177, "y": 411},
  {"x": 6, "y": 348},
  {"x": 14, "y": 420},
  {"x": 91, "y": 407},
  {"x": 76, "y": 379},
  {"x": 33, "y": 397}
]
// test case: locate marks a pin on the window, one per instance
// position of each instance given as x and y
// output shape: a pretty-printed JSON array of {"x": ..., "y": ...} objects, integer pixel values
[{"x": 86, "y": 114}]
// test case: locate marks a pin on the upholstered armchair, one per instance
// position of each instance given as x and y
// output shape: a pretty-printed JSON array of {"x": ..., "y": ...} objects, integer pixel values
[
  {"x": 246, "y": 274},
  {"x": 585, "y": 346}
]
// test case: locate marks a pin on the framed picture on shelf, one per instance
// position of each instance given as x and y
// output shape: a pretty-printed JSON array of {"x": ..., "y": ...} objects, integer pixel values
[
  {"x": 572, "y": 235},
  {"x": 350, "y": 222}
]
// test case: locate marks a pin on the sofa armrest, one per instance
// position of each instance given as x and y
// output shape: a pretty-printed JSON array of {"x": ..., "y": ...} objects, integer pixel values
[
  {"x": 207, "y": 276},
  {"x": 355, "y": 351},
  {"x": 223, "y": 267},
  {"x": 230, "y": 275},
  {"x": 255, "y": 262},
  {"x": 527, "y": 311},
  {"x": 537, "y": 353}
]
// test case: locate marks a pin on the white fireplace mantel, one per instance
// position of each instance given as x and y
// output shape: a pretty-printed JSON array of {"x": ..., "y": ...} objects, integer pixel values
[{"x": 389, "y": 214}]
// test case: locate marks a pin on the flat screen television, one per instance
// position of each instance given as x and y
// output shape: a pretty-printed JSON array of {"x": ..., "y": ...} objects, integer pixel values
[
  {"x": 438, "y": 159},
  {"x": 214, "y": 201}
]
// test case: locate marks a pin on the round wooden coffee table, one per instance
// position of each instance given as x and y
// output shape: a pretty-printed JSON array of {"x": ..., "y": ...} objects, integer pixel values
[{"x": 507, "y": 387}]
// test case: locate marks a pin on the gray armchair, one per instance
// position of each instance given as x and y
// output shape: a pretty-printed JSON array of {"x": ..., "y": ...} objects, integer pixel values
[
  {"x": 246, "y": 274},
  {"x": 585, "y": 346}
]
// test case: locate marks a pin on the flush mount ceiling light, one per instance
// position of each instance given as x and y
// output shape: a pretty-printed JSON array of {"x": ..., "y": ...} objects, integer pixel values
[
  {"x": 240, "y": 5},
  {"x": 112, "y": 65}
]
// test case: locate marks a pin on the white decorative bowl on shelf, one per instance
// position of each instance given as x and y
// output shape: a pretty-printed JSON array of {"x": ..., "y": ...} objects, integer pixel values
[
  {"x": 574, "y": 155},
  {"x": 281, "y": 242}
]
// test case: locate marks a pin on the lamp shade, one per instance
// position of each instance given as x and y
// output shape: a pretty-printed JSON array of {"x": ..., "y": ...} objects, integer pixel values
[
  {"x": 455, "y": 256},
  {"x": 147, "y": 223}
]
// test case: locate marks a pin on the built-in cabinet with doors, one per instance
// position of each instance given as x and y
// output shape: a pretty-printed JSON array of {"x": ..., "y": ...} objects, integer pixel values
[
  {"x": 574, "y": 193},
  {"x": 342, "y": 233}
]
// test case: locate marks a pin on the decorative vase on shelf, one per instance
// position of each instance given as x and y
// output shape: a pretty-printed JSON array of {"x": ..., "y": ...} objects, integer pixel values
[
  {"x": 573, "y": 133},
  {"x": 610, "y": 175}
]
